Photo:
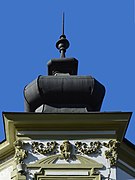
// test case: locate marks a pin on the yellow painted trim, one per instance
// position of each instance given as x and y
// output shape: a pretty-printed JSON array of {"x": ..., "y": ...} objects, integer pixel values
[
  {"x": 95, "y": 177},
  {"x": 94, "y": 121},
  {"x": 71, "y": 122},
  {"x": 6, "y": 148}
]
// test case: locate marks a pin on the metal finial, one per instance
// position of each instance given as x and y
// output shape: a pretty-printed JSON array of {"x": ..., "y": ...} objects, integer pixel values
[
  {"x": 62, "y": 44},
  {"x": 63, "y": 23}
]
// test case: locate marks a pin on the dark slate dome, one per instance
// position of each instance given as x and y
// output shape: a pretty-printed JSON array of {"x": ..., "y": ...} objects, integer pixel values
[{"x": 64, "y": 91}]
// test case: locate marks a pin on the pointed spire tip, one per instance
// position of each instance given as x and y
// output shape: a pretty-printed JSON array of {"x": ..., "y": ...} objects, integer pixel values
[
  {"x": 62, "y": 44},
  {"x": 63, "y": 22}
]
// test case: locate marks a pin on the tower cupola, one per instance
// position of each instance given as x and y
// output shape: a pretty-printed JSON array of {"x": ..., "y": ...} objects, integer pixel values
[{"x": 63, "y": 90}]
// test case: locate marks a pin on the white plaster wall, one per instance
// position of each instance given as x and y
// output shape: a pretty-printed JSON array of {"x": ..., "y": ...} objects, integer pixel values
[
  {"x": 5, "y": 174},
  {"x": 122, "y": 175}
]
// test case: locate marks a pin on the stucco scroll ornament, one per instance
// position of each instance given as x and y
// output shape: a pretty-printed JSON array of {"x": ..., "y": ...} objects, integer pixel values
[
  {"x": 112, "y": 153},
  {"x": 66, "y": 150},
  {"x": 49, "y": 148},
  {"x": 20, "y": 154},
  {"x": 92, "y": 148}
]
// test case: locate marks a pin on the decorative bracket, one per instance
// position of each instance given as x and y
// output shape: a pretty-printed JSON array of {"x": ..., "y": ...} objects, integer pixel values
[
  {"x": 20, "y": 153},
  {"x": 112, "y": 153}
]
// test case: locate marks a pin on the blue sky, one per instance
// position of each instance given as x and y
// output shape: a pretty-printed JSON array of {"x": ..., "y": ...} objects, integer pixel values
[{"x": 102, "y": 38}]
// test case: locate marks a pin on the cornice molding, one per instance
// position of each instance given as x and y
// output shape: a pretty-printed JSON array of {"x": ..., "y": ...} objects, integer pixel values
[
  {"x": 127, "y": 154},
  {"x": 71, "y": 122}
]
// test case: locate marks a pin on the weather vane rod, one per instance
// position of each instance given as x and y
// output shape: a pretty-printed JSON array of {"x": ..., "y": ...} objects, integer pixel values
[{"x": 63, "y": 23}]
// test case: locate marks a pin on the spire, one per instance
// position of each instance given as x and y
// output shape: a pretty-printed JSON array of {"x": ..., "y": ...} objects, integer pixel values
[
  {"x": 63, "y": 23},
  {"x": 63, "y": 91},
  {"x": 62, "y": 44}
]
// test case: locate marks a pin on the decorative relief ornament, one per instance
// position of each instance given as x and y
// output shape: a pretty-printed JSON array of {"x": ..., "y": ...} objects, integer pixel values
[
  {"x": 20, "y": 153},
  {"x": 112, "y": 153},
  {"x": 92, "y": 148},
  {"x": 49, "y": 148},
  {"x": 66, "y": 150}
]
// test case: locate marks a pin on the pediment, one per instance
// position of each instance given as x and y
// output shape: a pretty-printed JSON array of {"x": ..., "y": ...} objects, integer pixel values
[
  {"x": 50, "y": 169},
  {"x": 51, "y": 162}
]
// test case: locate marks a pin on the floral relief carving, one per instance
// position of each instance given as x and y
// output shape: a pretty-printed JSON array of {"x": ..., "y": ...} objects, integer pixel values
[
  {"x": 92, "y": 148},
  {"x": 49, "y": 148},
  {"x": 68, "y": 150},
  {"x": 111, "y": 153}
]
